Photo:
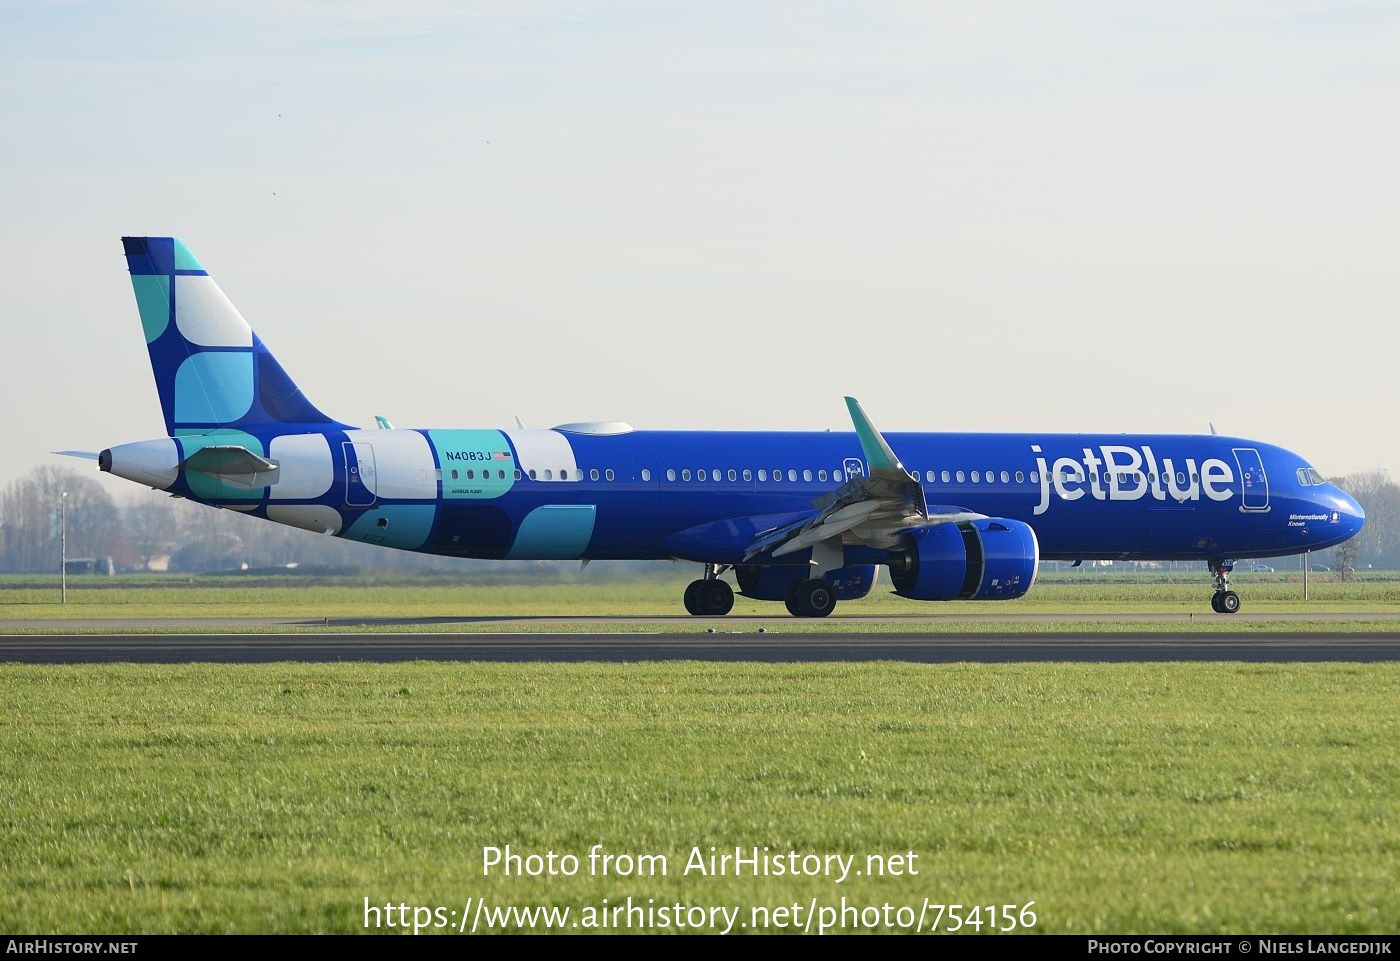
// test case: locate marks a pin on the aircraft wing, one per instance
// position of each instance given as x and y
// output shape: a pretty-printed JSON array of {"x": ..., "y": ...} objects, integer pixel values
[{"x": 873, "y": 510}]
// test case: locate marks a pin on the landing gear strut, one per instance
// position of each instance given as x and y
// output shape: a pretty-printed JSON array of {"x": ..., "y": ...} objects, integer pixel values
[
  {"x": 1224, "y": 601},
  {"x": 709, "y": 596}
]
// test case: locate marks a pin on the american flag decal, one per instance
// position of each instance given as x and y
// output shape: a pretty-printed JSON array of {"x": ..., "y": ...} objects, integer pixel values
[{"x": 501, "y": 455}]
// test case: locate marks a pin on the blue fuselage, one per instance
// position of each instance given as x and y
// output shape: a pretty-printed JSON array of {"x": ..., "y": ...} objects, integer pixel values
[{"x": 706, "y": 495}]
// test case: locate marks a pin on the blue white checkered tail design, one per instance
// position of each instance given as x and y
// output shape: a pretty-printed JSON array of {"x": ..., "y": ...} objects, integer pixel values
[{"x": 212, "y": 372}]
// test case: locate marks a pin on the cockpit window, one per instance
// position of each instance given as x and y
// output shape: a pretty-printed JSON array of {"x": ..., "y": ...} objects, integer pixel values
[
  {"x": 1316, "y": 477},
  {"x": 1303, "y": 478},
  {"x": 1310, "y": 477}
]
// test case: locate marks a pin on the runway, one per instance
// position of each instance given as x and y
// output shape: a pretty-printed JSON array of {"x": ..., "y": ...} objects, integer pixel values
[{"x": 747, "y": 645}]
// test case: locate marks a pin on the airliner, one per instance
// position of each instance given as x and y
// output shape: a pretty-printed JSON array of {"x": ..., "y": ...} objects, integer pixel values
[{"x": 806, "y": 518}]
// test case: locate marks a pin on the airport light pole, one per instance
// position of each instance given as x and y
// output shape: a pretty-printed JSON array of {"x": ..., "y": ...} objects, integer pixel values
[{"x": 63, "y": 547}]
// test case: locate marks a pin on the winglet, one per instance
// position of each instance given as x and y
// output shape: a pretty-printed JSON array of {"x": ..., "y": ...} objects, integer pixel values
[{"x": 877, "y": 453}]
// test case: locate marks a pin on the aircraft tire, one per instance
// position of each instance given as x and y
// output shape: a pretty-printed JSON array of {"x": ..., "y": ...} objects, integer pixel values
[
  {"x": 1215, "y": 602},
  {"x": 716, "y": 598},
  {"x": 693, "y": 593},
  {"x": 815, "y": 598},
  {"x": 1229, "y": 602},
  {"x": 791, "y": 602}
]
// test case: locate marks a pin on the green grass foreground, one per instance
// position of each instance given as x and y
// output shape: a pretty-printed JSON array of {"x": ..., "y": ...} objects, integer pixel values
[{"x": 1118, "y": 798}]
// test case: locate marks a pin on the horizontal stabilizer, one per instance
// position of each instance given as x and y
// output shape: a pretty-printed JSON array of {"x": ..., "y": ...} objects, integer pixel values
[{"x": 234, "y": 465}]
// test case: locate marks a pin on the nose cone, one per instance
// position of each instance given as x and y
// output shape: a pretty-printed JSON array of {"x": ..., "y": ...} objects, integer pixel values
[
  {"x": 1344, "y": 517},
  {"x": 1353, "y": 517}
]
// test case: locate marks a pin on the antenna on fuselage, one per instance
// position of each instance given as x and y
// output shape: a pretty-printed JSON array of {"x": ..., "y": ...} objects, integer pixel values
[{"x": 1213, "y": 431}]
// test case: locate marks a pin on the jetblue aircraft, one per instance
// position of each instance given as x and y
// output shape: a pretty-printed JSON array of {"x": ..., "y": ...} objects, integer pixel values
[{"x": 806, "y": 518}]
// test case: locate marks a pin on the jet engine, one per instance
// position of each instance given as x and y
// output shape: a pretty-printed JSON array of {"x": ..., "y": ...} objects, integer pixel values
[{"x": 988, "y": 559}]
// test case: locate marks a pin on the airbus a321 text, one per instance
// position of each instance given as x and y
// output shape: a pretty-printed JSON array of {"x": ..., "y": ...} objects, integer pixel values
[{"x": 806, "y": 518}]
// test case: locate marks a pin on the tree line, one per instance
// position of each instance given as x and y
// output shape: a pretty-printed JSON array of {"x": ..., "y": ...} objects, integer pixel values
[{"x": 154, "y": 531}]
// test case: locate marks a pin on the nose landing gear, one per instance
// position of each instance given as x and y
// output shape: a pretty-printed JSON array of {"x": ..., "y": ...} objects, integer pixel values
[{"x": 1224, "y": 601}]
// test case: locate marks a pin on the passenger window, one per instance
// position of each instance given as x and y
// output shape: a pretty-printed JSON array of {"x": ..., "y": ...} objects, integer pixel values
[
  {"x": 454, "y": 473},
  {"x": 532, "y": 474},
  {"x": 976, "y": 478},
  {"x": 777, "y": 476},
  {"x": 1035, "y": 477},
  {"x": 646, "y": 474},
  {"x": 593, "y": 474},
  {"x": 807, "y": 475},
  {"x": 732, "y": 475},
  {"x": 502, "y": 473},
  {"x": 945, "y": 476},
  {"x": 792, "y": 475},
  {"x": 700, "y": 474},
  {"x": 1005, "y": 477},
  {"x": 563, "y": 473},
  {"x": 1180, "y": 479},
  {"x": 762, "y": 474},
  {"x": 930, "y": 476},
  {"x": 670, "y": 473},
  {"x": 960, "y": 476},
  {"x": 608, "y": 473},
  {"x": 821, "y": 475},
  {"x": 470, "y": 474},
  {"x": 1020, "y": 477},
  {"x": 685, "y": 474},
  {"x": 748, "y": 475},
  {"x": 548, "y": 474}
]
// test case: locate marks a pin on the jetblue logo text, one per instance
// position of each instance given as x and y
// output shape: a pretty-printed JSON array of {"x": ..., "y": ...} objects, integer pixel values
[{"x": 1115, "y": 473}]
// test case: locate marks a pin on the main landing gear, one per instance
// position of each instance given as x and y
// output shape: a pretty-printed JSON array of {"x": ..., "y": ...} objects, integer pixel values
[
  {"x": 710, "y": 596},
  {"x": 1224, "y": 600},
  {"x": 811, "y": 598}
]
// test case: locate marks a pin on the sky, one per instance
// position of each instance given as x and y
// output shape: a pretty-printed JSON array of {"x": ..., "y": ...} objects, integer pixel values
[{"x": 1081, "y": 216}]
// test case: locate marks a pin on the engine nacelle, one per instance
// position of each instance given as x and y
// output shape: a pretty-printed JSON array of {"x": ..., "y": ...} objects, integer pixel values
[
  {"x": 989, "y": 559},
  {"x": 772, "y": 583}
]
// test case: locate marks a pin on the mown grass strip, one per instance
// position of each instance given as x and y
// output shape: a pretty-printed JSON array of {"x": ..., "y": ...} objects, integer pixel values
[
  {"x": 644, "y": 598},
  {"x": 1201, "y": 797}
]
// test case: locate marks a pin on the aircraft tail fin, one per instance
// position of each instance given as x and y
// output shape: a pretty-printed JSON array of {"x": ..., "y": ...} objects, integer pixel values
[{"x": 212, "y": 371}]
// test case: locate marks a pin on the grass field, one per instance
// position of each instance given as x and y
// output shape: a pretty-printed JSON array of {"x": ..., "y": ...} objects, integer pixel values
[
  {"x": 101, "y": 598},
  {"x": 1118, "y": 798}
]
